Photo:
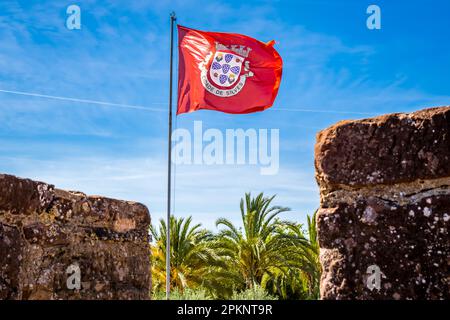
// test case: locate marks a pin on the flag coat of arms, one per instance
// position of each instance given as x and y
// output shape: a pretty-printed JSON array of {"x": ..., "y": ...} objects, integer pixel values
[{"x": 226, "y": 72}]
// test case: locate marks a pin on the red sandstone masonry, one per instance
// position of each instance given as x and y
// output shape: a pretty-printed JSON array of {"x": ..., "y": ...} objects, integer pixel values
[
  {"x": 385, "y": 201},
  {"x": 44, "y": 230}
]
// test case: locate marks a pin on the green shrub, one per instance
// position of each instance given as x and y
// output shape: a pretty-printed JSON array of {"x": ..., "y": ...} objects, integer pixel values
[
  {"x": 187, "y": 294},
  {"x": 255, "y": 293}
]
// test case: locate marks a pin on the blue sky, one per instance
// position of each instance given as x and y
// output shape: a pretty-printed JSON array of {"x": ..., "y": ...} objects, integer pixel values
[{"x": 334, "y": 69}]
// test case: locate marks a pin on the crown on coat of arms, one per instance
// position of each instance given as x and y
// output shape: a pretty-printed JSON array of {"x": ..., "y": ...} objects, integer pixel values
[{"x": 243, "y": 51}]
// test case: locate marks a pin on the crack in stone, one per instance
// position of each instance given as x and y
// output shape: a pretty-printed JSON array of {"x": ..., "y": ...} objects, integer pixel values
[{"x": 398, "y": 194}]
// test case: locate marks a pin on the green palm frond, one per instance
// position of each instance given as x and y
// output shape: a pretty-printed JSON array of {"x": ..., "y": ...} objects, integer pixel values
[{"x": 268, "y": 253}]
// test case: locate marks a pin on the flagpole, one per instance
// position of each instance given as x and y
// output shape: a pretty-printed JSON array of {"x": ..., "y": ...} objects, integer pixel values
[{"x": 173, "y": 18}]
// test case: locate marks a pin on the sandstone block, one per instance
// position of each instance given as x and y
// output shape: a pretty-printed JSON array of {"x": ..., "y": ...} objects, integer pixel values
[
  {"x": 46, "y": 231},
  {"x": 385, "y": 204}
]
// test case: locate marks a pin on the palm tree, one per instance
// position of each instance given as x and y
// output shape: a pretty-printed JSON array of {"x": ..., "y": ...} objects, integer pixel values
[
  {"x": 301, "y": 276},
  {"x": 315, "y": 269},
  {"x": 268, "y": 251},
  {"x": 256, "y": 250},
  {"x": 191, "y": 254}
]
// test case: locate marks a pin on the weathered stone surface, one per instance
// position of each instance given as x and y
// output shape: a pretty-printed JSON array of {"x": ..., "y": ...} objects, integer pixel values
[
  {"x": 44, "y": 230},
  {"x": 385, "y": 202},
  {"x": 384, "y": 150}
]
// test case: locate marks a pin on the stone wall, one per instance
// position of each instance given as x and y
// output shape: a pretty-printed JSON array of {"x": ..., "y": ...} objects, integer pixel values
[
  {"x": 49, "y": 236},
  {"x": 385, "y": 207}
]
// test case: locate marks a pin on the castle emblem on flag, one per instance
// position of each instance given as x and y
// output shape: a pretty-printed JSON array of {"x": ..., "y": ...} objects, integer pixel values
[{"x": 228, "y": 70}]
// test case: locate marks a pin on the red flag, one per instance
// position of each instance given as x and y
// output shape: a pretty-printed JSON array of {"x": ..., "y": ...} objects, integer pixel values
[{"x": 226, "y": 72}]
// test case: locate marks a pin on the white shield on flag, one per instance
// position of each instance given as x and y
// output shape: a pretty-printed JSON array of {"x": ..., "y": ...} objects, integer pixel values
[{"x": 225, "y": 68}]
